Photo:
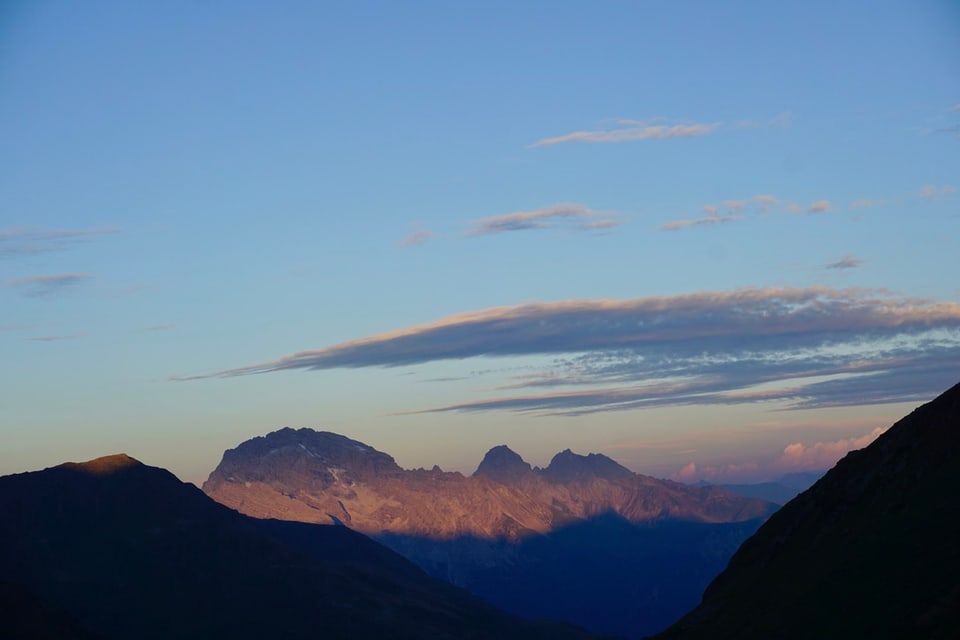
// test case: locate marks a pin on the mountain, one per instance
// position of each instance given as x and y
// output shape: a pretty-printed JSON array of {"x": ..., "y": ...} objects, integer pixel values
[
  {"x": 779, "y": 491},
  {"x": 317, "y": 476},
  {"x": 115, "y": 549},
  {"x": 869, "y": 551},
  {"x": 580, "y": 540}
]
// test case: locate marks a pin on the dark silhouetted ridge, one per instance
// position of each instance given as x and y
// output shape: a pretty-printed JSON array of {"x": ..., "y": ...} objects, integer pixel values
[
  {"x": 869, "y": 551},
  {"x": 115, "y": 549}
]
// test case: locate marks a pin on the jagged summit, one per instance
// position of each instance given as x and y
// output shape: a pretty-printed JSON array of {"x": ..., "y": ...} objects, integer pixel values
[
  {"x": 503, "y": 465},
  {"x": 568, "y": 466}
]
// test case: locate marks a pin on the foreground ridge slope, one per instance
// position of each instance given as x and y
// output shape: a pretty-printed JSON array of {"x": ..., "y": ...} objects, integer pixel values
[
  {"x": 114, "y": 549},
  {"x": 872, "y": 550}
]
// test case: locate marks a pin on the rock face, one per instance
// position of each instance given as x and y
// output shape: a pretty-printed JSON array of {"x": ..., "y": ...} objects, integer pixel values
[
  {"x": 317, "y": 476},
  {"x": 534, "y": 541},
  {"x": 113, "y": 549},
  {"x": 869, "y": 551}
]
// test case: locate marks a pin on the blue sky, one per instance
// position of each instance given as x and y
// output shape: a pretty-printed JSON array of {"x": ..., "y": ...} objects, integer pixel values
[{"x": 712, "y": 240}]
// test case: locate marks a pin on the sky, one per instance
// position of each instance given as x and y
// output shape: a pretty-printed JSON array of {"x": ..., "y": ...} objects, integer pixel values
[{"x": 714, "y": 241}]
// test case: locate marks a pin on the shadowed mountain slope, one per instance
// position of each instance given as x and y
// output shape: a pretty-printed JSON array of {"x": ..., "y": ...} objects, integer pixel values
[
  {"x": 117, "y": 549},
  {"x": 872, "y": 550}
]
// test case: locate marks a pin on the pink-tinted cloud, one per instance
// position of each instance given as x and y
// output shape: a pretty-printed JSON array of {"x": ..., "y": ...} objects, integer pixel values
[
  {"x": 675, "y": 225},
  {"x": 415, "y": 238},
  {"x": 550, "y": 217},
  {"x": 822, "y": 455},
  {"x": 632, "y": 132},
  {"x": 933, "y": 192},
  {"x": 820, "y": 206}
]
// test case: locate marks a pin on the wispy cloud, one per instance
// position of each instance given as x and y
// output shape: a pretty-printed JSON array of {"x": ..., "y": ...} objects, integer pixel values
[
  {"x": 72, "y": 336},
  {"x": 847, "y": 262},
  {"x": 631, "y": 131},
  {"x": 807, "y": 347},
  {"x": 934, "y": 192},
  {"x": 628, "y": 130},
  {"x": 955, "y": 107},
  {"x": 414, "y": 238},
  {"x": 33, "y": 240},
  {"x": 675, "y": 225},
  {"x": 584, "y": 219},
  {"x": 820, "y": 206},
  {"x": 734, "y": 210},
  {"x": 40, "y": 286}
]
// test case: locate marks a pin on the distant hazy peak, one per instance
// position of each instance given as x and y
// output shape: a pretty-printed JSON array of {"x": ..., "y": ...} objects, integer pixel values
[
  {"x": 503, "y": 465},
  {"x": 567, "y": 466}
]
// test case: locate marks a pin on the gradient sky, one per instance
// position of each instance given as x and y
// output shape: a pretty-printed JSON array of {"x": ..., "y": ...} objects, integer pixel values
[{"x": 712, "y": 240}]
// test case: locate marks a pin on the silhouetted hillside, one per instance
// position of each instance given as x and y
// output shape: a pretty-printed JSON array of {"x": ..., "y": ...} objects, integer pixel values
[
  {"x": 872, "y": 550},
  {"x": 115, "y": 549}
]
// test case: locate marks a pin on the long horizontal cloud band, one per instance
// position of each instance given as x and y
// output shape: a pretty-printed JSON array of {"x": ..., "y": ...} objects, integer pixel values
[
  {"x": 801, "y": 348},
  {"x": 685, "y": 324}
]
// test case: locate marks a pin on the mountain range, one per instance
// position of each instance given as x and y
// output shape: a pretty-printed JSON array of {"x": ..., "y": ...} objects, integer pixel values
[
  {"x": 871, "y": 550},
  {"x": 112, "y": 548},
  {"x": 584, "y": 540}
]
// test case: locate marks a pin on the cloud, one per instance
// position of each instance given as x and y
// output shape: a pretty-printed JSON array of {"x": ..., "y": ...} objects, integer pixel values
[
  {"x": 955, "y": 107},
  {"x": 847, "y": 262},
  {"x": 41, "y": 286},
  {"x": 820, "y": 206},
  {"x": 34, "y": 240},
  {"x": 806, "y": 348},
  {"x": 414, "y": 238},
  {"x": 766, "y": 201},
  {"x": 732, "y": 210},
  {"x": 546, "y": 218},
  {"x": 631, "y": 131},
  {"x": 822, "y": 455},
  {"x": 71, "y": 336},
  {"x": 675, "y": 225},
  {"x": 934, "y": 192}
]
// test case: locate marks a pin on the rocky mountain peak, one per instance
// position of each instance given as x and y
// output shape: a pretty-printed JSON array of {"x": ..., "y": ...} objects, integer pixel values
[
  {"x": 315, "y": 457},
  {"x": 568, "y": 466},
  {"x": 503, "y": 465}
]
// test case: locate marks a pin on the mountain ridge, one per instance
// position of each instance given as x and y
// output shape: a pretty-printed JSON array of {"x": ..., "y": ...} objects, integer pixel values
[
  {"x": 868, "y": 551},
  {"x": 318, "y": 476},
  {"x": 118, "y": 549}
]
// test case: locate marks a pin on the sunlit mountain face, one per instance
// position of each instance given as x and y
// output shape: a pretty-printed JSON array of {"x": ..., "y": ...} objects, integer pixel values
[{"x": 584, "y": 539}]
